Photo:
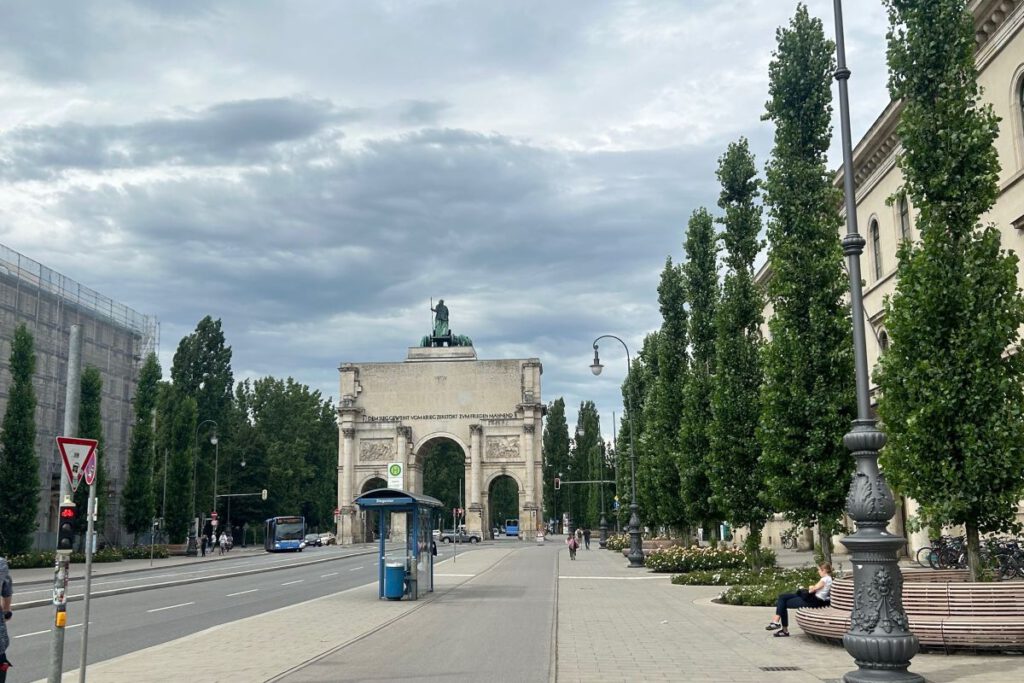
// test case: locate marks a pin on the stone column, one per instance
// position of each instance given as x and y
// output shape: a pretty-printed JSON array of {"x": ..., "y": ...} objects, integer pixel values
[
  {"x": 476, "y": 471},
  {"x": 527, "y": 440},
  {"x": 348, "y": 435}
]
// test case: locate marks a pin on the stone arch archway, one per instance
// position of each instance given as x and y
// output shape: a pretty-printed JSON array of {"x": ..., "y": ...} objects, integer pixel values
[
  {"x": 370, "y": 527},
  {"x": 501, "y": 503},
  {"x": 392, "y": 412}
]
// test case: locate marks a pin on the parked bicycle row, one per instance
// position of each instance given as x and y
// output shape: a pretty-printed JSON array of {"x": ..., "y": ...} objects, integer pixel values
[{"x": 1005, "y": 556}]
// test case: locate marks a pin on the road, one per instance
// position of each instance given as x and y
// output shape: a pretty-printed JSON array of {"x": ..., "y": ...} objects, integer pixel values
[{"x": 128, "y": 622}]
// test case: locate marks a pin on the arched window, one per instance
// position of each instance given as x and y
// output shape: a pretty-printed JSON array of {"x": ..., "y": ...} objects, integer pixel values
[
  {"x": 904, "y": 218},
  {"x": 883, "y": 342},
  {"x": 876, "y": 248}
]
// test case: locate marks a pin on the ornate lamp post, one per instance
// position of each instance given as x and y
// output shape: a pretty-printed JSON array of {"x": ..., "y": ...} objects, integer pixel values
[
  {"x": 192, "y": 548},
  {"x": 636, "y": 549},
  {"x": 878, "y": 638}
]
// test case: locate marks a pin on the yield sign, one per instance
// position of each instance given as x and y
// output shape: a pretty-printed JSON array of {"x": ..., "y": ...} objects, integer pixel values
[{"x": 79, "y": 457}]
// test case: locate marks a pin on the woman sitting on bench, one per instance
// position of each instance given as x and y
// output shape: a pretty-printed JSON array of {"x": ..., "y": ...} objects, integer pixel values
[{"x": 817, "y": 595}]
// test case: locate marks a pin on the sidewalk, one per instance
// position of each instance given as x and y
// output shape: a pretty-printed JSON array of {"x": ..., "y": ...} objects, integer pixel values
[
  {"x": 621, "y": 624},
  {"x": 266, "y": 646}
]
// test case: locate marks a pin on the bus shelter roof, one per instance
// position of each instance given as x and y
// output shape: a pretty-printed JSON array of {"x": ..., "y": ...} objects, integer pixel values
[{"x": 396, "y": 498}]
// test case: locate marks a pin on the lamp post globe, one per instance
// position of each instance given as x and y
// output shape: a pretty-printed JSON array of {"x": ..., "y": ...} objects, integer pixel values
[{"x": 636, "y": 549}]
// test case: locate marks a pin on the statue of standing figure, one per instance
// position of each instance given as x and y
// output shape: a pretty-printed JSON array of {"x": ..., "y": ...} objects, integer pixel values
[{"x": 441, "y": 328}]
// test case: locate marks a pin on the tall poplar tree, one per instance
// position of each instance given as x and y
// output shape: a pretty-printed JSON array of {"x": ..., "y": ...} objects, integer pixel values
[
  {"x": 636, "y": 388},
  {"x": 176, "y": 425},
  {"x": 952, "y": 383},
  {"x": 137, "y": 497},
  {"x": 556, "y": 457},
  {"x": 19, "y": 466},
  {"x": 808, "y": 364},
  {"x": 737, "y": 478},
  {"x": 90, "y": 426},
  {"x": 701, "y": 282}
]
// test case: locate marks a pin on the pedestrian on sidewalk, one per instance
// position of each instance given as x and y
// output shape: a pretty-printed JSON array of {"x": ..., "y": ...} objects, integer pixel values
[
  {"x": 223, "y": 543},
  {"x": 202, "y": 545},
  {"x": 6, "y": 591},
  {"x": 817, "y": 595},
  {"x": 586, "y": 537},
  {"x": 572, "y": 543}
]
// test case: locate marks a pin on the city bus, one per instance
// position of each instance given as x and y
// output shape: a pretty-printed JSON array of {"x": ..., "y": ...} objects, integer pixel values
[
  {"x": 284, "y": 533},
  {"x": 511, "y": 527}
]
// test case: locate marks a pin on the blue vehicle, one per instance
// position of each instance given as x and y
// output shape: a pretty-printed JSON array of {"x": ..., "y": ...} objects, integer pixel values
[
  {"x": 285, "y": 533},
  {"x": 511, "y": 527}
]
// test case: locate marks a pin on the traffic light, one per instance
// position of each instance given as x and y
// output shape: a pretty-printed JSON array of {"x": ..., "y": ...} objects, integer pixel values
[
  {"x": 66, "y": 527},
  {"x": 558, "y": 483}
]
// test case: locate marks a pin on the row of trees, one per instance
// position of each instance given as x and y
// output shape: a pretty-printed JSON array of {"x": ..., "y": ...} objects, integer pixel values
[
  {"x": 732, "y": 426},
  {"x": 584, "y": 457}
]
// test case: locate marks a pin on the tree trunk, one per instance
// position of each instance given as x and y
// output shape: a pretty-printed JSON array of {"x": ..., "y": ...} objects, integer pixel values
[
  {"x": 825, "y": 542},
  {"x": 973, "y": 552},
  {"x": 752, "y": 545}
]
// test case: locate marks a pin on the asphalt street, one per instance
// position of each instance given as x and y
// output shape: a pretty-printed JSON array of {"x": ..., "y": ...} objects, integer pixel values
[{"x": 128, "y": 622}]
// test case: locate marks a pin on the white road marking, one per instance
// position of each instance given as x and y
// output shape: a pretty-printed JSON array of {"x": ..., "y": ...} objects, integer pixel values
[
  {"x": 324, "y": 576},
  {"x": 355, "y": 569},
  {"x": 161, "y": 609},
  {"x": 251, "y": 590},
  {"x": 34, "y": 633},
  {"x": 619, "y": 578},
  {"x": 288, "y": 583}
]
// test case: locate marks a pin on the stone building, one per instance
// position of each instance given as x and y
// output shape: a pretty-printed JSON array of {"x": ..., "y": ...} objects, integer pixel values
[
  {"x": 999, "y": 32},
  {"x": 115, "y": 339}
]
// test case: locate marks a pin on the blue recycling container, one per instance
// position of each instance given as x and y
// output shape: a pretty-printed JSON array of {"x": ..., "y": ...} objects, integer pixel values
[{"x": 394, "y": 580}]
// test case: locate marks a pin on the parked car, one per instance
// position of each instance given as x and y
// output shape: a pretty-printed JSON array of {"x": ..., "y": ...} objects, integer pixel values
[
  {"x": 313, "y": 540},
  {"x": 327, "y": 538},
  {"x": 451, "y": 536}
]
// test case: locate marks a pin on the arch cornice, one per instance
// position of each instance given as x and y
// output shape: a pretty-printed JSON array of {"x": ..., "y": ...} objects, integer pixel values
[
  {"x": 510, "y": 473},
  {"x": 440, "y": 435}
]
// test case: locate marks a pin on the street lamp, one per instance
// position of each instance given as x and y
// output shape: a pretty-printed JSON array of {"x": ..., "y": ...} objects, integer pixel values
[
  {"x": 636, "y": 550},
  {"x": 193, "y": 532},
  {"x": 882, "y": 648}
]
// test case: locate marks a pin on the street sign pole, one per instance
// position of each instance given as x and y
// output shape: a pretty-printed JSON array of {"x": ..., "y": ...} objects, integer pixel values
[
  {"x": 90, "y": 530},
  {"x": 72, "y": 394}
]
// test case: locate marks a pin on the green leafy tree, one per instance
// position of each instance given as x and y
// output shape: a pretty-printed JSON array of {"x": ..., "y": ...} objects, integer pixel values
[
  {"x": 953, "y": 381},
  {"x": 635, "y": 389},
  {"x": 503, "y": 502},
  {"x": 176, "y": 425},
  {"x": 807, "y": 400},
  {"x": 138, "y": 499},
  {"x": 202, "y": 369},
  {"x": 444, "y": 472},
  {"x": 584, "y": 465},
  {"x": 663, "y": 405},
  {"x": 556, "y": 457},
  {"x": 19, "y": 466},
  {"x": 701, "y": 283},
  {"x": 736, "y": 476},
  {"x": 90, "y": 426}
]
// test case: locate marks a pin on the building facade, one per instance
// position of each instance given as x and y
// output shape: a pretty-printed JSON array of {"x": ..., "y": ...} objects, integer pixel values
[{"x": 115, "y": 340}]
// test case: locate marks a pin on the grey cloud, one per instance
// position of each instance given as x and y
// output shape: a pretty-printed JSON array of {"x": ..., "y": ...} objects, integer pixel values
[{"x": 422, "y": 112}]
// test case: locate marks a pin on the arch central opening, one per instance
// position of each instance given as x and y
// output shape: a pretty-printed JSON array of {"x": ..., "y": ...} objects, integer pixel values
[
  {"x": 444, "y": 475},
  {"x": 503, "y": 504}
]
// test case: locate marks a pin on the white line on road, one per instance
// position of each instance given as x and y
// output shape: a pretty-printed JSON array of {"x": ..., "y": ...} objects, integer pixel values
[
  {"x": 619, "y": 578},
  {"x": 355, "y": 569},
  {"x": 251, "y": 590},
  {"x": 288, "y": 583},
  {"x": 34, "y": 633},
  {"x": 161, "y": 609},
  {"x": 324, "y": 576}
]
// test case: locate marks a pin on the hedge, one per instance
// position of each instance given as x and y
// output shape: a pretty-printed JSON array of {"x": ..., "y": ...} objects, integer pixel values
[
  {"x": 680, "y": 559},
  {"x": 45, "y": 558}
]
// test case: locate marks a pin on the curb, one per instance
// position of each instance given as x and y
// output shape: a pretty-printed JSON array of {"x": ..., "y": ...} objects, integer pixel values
[{"x": 180, "y": 582}]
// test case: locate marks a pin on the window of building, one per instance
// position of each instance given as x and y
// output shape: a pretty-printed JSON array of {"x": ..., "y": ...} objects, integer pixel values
[
  {"x": 883, "y": 341},
  {"x": 876, "y": 248},
  {"x": 904, "y": 218}
]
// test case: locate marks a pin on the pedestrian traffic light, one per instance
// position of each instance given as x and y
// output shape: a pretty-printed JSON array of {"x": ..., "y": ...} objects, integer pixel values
[
  {"x": 66, "y": 527},
  {"x": 558, "y": 483}
]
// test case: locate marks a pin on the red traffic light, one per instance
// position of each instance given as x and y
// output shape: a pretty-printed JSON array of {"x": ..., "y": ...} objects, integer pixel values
[{"x": 67, "y": 513}]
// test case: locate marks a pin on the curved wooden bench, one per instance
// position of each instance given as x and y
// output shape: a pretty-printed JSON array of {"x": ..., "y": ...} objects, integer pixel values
[{"x": 943, "y": 610}]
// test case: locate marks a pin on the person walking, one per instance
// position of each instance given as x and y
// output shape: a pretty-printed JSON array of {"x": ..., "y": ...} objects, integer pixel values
[
  {"x": 223, "y": 542},
  {"x": 6, "y": 591},
  {"x": 573, "y": 545},
  {"x": 586, "y": 538},
  {"x": 817, "y": 595},
  {"x": 202, "y": 545}
]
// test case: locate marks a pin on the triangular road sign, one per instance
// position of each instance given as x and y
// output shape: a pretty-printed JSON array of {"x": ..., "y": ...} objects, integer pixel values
[{"x": 79, "y": 456}]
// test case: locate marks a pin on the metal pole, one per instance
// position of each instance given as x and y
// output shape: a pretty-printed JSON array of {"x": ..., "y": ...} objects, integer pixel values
[
  {"x": 636, "y": 550},
  {"x": 881, "y": 648},
  {"x": 72, "y": 394},
  {"x": 90, "y": 530},
  {"x": 193, "y": 548},
  {"x": 216, "y": 469}
]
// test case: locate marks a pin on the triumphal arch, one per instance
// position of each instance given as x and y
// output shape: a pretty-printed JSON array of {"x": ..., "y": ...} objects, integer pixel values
[{"x": 396, "y": 412}]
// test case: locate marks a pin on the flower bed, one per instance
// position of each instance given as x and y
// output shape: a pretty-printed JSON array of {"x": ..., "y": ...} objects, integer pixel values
[
  {"x": 680, "y": 559},
  {"x": 617, "y": 542},
  {"x": 45, "y": 558},
  {"x": 747, "y": 577}
]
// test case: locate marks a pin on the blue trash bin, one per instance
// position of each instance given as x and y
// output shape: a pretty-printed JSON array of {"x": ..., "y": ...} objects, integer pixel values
[{"x": 394, "y": 580}]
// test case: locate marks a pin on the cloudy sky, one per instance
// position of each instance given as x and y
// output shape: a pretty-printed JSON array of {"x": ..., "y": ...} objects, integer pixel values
[{"x": 312, "y": 173}]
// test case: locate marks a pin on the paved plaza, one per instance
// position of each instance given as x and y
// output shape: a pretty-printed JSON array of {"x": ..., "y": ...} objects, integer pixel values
[{"x": 519, "y": 612}]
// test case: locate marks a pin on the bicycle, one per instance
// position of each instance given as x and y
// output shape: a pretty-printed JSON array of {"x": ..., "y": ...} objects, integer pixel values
[{"x": 789, "y": 541}]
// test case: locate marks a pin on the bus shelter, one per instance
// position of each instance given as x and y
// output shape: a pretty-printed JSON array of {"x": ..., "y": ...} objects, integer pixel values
[{"x": 409, "y": 571}]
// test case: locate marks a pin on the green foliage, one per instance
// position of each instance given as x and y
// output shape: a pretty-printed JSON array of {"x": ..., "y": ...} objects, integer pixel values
[
  {"x": 586, "y": 463},
  {"x": 701, "y": 283},
  {"x": 636, "y": 389},
  {"x": 951, "y": 395},
  {"x": 807, "y": 398},
  {"x": 764, "y": 594},
  {"x": 19, "y": 466},
  {"x": 748, "y": 577},
  {"x": 45, "y": 558},
  {"x": 138, "y": 497},
  {"x": 683, "y": 559},
  {"x": 735, "y": 476},
  {"x": 141, "y": 552},
  {"x": 90, "y": 426},
  {"x": 444, "y": 472},
  {"x": 176, "y": 424},
  {"x": 556, "y": 458},
  {"x": 504, "y": 503}
]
